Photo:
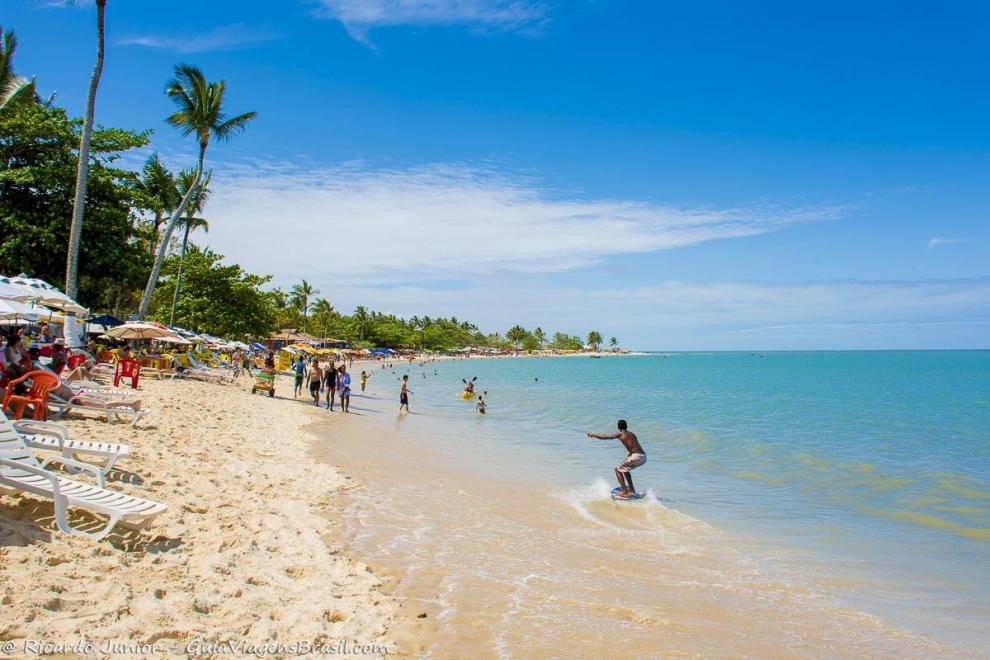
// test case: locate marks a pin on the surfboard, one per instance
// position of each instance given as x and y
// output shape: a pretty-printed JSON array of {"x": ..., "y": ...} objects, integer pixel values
[{"x": 631, "y": 498}]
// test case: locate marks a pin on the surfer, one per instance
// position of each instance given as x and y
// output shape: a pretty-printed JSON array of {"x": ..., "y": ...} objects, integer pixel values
[{"x": 635, "y": 458}]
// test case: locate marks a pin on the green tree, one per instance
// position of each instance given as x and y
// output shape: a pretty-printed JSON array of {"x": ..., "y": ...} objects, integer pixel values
[
  {"x": 516, "y": 334},
  {"x": 158, "y": 194},
  {"x": 189, "y": 221},
  {"x": 12, "y": 86},
  {"x": 38, "y": 161},
  {"x": 300, "y": 295},
  {"x": 613, "y": 342},
  {"x": 361, "y": 319},
  {"x": 540, "y": 336},
  {"x": 594, "y": 339},
  {"x": 82, "y": 169},
  {"x": 323, "y": 313},
  {"x": 216, "y": 298},
  {"x": 565, "y": 342},
  {"x": 200, "y": 112}
]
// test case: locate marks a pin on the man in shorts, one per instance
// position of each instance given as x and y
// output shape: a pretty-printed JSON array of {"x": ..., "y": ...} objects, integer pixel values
[
  {"x": 635, "y": 458},
  {"x": 300, "y": 368},
  {"x": 315, "y": 381}
]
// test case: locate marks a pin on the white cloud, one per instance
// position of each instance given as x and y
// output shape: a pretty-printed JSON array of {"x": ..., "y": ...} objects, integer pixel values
[
  {"x": 359, "y": 16},
  {"x": 936, "y": 241},
  {"x": 224, "y": 37},
  {"x": 353, "y": 224}
]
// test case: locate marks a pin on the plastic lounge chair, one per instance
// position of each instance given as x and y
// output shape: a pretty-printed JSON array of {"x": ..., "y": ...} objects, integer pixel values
[
  {"x": 20, "y": 470},
  {"x": 75, "y": 361},
  {"x": 55, "y": 437},
  {"x": 42, "y": 383},
  {"x": 127, "y": 368},
  {"x": 61, "y": 406}
]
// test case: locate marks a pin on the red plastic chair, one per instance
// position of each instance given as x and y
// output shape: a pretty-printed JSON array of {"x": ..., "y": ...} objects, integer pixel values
[
  {"x": 42, "y": 383},
  {"x": 76, "y": 361},
  {"x": 127, "y": 368}
]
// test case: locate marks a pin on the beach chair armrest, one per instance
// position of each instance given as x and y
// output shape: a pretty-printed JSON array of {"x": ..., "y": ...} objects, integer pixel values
[
  {"x": 80, "y": 465},
  {"x": 34, "y": 469},
  {"x": 26, "y": 426}
]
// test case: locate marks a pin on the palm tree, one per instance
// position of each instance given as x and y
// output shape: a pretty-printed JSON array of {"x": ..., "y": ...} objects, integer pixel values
[
  {"x": 82, "y": 172},
  {"x": 200, "y": 112},
  {"x": 12, "y": 86},
  {"x": 613, "y": 342},
  {"x": 190, "y": 222},
  {"x": 361, "y": 318},
  {"x": 540, "y": 336},
  {"x": 301, "y": 294},
  {"x": 594, "y": 339},
  {"x": 322, "y": 308},
  {"x": 160, "y": 195}
]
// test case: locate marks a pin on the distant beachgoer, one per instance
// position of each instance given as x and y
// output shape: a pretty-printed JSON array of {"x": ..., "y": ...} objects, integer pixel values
[
  {"x": 330, "y": 384},
  {"x": 344, "y": 388},
  {"x": 270, "y": 361},
  {"x": 300, "y": 368},
  {"x": 364, "y": 379},
  {"x": 59, "y": 358},
  {"x": 635, "y": 458},
  {"x": 404, "y": 392},
  {"x": 481, "y": 405},
  {"x": 17, "y": 362},
  {"x": 315, "y": 381},
  {"x": 124, "y": 352}
]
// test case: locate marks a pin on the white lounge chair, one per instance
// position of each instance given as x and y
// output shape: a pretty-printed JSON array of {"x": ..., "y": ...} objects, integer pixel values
[
  {"x": 55, "y": 437},
  {"x": 20, "y": 470},
  {"x": 61, "y": 406}
]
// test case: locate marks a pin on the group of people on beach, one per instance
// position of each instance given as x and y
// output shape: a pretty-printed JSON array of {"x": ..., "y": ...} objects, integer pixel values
[{"x": 334, "y": 380}]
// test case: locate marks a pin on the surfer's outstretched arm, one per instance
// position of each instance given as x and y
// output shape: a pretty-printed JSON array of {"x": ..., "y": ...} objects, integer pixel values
[{"x": 598, "y": 436}]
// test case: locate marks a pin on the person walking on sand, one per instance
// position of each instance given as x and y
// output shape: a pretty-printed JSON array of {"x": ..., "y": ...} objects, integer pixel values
[
  {"x": 331, "y": 386},
  {"x": 344, "y": 388},
  {"x": 300, "y": 368},
  {"x": 315, "y": 381},
  {"x": 404, "y": 392},
  {"x": 635, "y": 458}
]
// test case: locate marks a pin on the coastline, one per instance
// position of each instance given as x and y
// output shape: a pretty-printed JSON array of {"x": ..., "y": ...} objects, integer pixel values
[{"x": 247, "y": 551}]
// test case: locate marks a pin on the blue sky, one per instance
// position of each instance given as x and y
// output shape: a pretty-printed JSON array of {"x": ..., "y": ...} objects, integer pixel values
[{"x": 707, "y": 175}]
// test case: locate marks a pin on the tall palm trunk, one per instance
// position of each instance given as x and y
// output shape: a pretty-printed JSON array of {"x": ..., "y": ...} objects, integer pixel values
[
  {"x": 156, "y": 269},
  {"x": 82, "y": 173},
  {"x": 178, "y": 276}
]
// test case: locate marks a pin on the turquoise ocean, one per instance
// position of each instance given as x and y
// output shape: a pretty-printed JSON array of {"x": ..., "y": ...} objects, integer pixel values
[{"x": 869, "y": 469}]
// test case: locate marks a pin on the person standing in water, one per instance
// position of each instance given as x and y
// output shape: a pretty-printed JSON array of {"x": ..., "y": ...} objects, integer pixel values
[
  {"x": 635, "y": 458},
  {"x": 364, "y": 380},
  {"x": 481, "y": 405},
  {"x": 404, "y": 394}
]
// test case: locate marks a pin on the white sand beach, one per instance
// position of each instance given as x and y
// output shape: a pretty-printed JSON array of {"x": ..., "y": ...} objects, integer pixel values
[{"x": 248, "y": 550}]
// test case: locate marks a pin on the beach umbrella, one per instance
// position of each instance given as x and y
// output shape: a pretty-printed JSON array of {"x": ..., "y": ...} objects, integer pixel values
[
  {"x": 258, "y": 347},
  {"x": 106, "y": 320},
  {"x": 139, "y": 330},
  {"x": 174, "y": 339},
  {"x": 13, "y": 309},
  {"x": 48, "y": 295}
]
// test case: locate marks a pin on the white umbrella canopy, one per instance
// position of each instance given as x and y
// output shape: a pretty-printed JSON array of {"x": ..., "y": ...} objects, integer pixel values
[
  {"x": 48, "y": 295},
  {"x": 138, "y": 330},
  {"x": 174, "y": 339},
  {"x": 12, "y": 309}
]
